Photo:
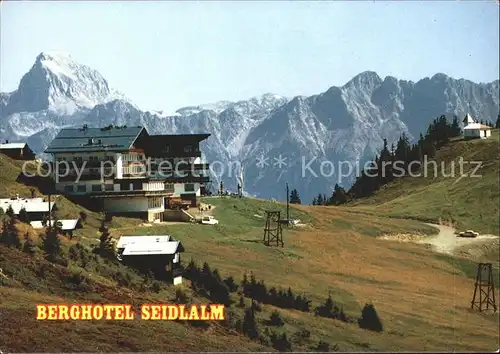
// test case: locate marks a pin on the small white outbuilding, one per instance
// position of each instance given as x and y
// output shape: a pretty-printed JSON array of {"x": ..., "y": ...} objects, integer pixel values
[{"x": 474, "y": 130}]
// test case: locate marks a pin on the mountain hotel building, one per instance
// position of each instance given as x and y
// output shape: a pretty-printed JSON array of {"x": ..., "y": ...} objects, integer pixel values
[{"x": 128, "y": 171}]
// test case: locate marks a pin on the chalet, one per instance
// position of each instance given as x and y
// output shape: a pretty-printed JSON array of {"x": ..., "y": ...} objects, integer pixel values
[
  {"x": 36, "y": 208},
  {"x": 474, "y": 130},
  {"x": 159, "y": 254},
  {"x": 17, "y": 151},
  {"x": 67, "y": 225},
  {"x": 127, "y": 171}
]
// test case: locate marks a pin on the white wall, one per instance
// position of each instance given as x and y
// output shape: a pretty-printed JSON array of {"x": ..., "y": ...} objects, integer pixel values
[
  {"x": 119, "y": 165},
  {"x": 471, "y": 133},
  {"x": 153, "y": 186},
  {"x": 179, "y": 188}
]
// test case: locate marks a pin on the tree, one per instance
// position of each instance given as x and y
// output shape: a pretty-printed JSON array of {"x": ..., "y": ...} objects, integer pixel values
[
  {"x": 23, "y": 216},
  {"x": 83, "y": 216},
  {"x": 294, "y": 197},
  {"x": 339, "y": 196},
  {"x": 455, "y": 127},
  {"x": 52, "y": 243},
  {"x": 10, "y": 235},
  {"x": 319, "y": 200},
  {"x": 29, "y": 246},
  {"x": 107, "y": 244},
  {"x": 369, "y": 319},
  {"x": 10, "y": 211},
  {"x": 497, "y": 125},
  {"x": 249, "y": 326}
]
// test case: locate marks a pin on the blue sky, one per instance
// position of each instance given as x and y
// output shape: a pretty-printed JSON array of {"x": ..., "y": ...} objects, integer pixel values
[{"x": 165, "y": 55}]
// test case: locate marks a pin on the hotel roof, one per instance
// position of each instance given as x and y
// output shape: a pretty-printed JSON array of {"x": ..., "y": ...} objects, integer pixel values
[
  {"x": 69, "y": 224},
  {"x": 31, "y": 205},
  {"x": 94, "y": 139},
  {"x": 111, "y": 139},
  {"x": 153, "y": 248},
  {"x": 129, "y": 240},
  {"x": 9, "y": 146}
]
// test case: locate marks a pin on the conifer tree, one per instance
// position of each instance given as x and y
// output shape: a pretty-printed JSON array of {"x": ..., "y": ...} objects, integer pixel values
[
  {"x": 249, "y": 326},
  {"x": 455, "y": 127},
  {"x": 369, "y": 319},
  {"x": 10, "y": 211},
  {"x": 10, "y": 235},
  {"x": 294, "y": 197},
  {"x": 23, "y": 216},
  {"x": 107, "y": 244},
  {"x": 52, "y": 243}
]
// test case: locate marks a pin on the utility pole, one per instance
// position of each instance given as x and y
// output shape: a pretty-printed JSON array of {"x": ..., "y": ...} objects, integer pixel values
[
  {"x": 50, "y": 215},
  {"x": 287, "y": 203}
]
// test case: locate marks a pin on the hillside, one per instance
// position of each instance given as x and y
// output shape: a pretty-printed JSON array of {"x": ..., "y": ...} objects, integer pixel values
[
  {"x": 423, "y": 298},
  {"x": 470, "y": 202}
]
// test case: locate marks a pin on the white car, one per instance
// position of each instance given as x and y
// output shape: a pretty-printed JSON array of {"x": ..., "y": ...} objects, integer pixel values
[{"x": 209, "y": 220}]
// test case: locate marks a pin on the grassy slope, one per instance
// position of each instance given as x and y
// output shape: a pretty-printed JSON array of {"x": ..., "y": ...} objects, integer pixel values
[
  {"x": 470, "y": 203},
  {"x": 422, "y": 299}
]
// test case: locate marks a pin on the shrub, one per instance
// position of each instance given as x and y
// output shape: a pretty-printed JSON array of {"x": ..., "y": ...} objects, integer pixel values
[
  {"x": 275, "y": 319},
  {"x": 301, "y": 336},
  {"x": 83, "y": 216},
  {"x": 280, "y": 342},
  {"x": 181, "y": 296},
  {"x": 231, "y": 285},
  {"x": 323, "y": 347},
  {"x": 29, "y": 246}
]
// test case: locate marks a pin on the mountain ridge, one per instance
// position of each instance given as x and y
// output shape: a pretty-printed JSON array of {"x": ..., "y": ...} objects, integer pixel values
[{"x": 344, "y": 123}]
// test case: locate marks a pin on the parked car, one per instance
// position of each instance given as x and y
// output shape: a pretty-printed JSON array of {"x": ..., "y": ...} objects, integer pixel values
[
  {"x": 209, "y": 220},
  {"x": 468, "y": 233}
]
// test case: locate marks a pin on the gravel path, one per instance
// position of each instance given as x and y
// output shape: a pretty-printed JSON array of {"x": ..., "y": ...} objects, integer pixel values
[{"x": 445, "y": 241}]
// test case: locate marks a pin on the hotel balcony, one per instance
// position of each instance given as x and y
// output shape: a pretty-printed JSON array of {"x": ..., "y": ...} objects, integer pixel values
[
  {"x": 93, "y": 176},
  {"x": 130, "y": 193}
]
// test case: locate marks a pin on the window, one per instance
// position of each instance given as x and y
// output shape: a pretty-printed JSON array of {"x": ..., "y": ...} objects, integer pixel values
[
  {"x": 96, "y": 188},
  {"x": 188, "y": 148},
  {"x": 136, "y": 186},
  {"x": 93, "y": 158},
  {"x": 124, "y": 186},
  {"x": 109, "y": 187},
  {"x": 68, "y": 189},
  {"x": 169, "y": 187},
  {"x": 167, "y": 148},
  {"x": 189, "y": 187},
  {"x": 81, "y": 188},
  {"x": 154, "y": 203}
]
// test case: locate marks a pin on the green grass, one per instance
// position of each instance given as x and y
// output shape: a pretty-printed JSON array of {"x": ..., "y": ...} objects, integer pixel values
[
  {"x": 416, "y": 293},
  {"x": 467, "y": 267},
  {"x": 469, "y": 202}
]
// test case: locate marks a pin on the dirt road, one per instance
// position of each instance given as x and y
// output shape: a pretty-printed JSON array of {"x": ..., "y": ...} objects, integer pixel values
[{"x": 445, "y": 241}]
